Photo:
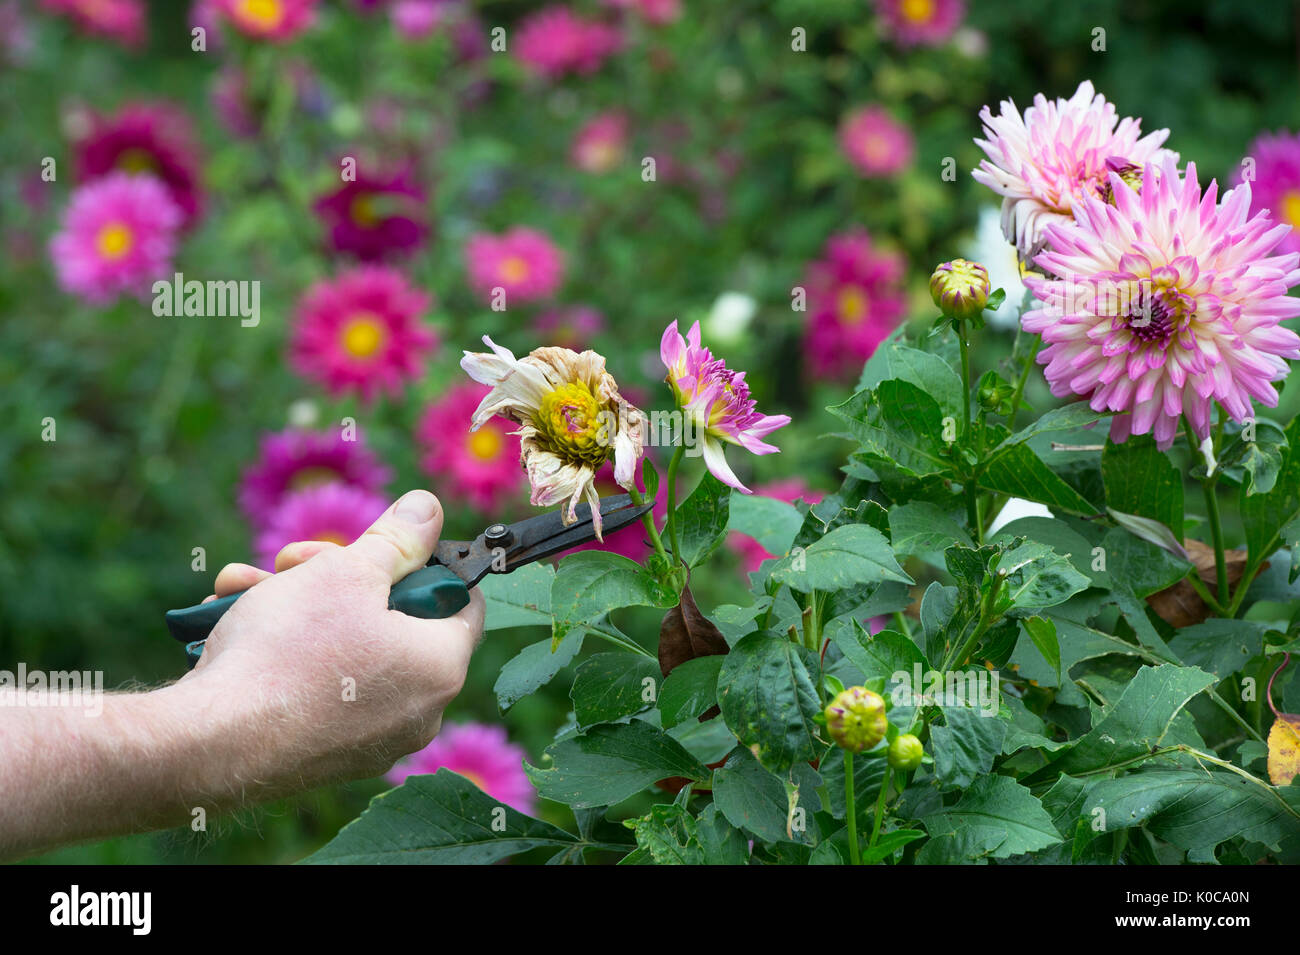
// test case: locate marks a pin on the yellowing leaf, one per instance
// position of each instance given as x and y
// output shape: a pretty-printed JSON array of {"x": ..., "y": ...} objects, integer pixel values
[{"x": 1284, "y": 749}]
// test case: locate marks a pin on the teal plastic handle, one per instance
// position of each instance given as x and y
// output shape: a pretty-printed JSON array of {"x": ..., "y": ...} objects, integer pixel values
[{"x": 430, "y": 593}]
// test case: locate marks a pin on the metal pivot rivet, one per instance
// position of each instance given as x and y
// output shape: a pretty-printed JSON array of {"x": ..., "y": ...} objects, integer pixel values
[{"x": 497, "y": 535}]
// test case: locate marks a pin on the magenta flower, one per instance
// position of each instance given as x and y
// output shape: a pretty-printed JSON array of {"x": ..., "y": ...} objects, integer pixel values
[
  {"x": 657, "y": 12},
  {"x": 277, "y": 21},
  {"x": 361, "y": 332},
  {"x": 154, "y": 138},
  {"x": 716, "y": 401},
  {"x": 554, "y": 41},
  {"x": 118, "y": 236},
  {"x": 751, "y": 552},
  {"x": 875, "y": 142},
  {"x": 338, "y": 513},
  {"x": 855, "y": 299},
  {"x": 375, "y": 217},
  {"x": 920, "y": 22},
  {"x": 480, "y": 467},
  {"x": 1166, "y": 303},
  {"x": 1058, "y": 153},
  {"x": 1275, "y": 181},
  {"x": 120, "y": 20},
  {"x": 294, "y": 459},
  {"x": 523, "y": 262},
  {"x": 480, "y": 753},
  {"x": 571, "y": 326},
  {"x": 601, "y": 143}
]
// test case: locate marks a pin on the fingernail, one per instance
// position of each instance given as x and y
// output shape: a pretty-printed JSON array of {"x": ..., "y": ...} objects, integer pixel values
[{"x": 416, "y": 507}]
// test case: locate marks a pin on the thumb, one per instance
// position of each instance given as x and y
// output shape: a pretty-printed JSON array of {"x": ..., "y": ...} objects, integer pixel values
[{"x": 402, "y": 540}]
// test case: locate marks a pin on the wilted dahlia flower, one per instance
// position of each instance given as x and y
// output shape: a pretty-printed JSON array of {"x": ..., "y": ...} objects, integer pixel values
[
  {"x": 294, "y": 459},
  {"x": 716, "y": 402},
  {"x": 1166, "y": 303},
  {"x": 480, "y": 753},
  {"x": 1274, "y": 179},
  {"x": 1044, "y": 162},
  {"x": 875, "y": 142},
  {"x": 482, "y": 466},
  {"x": 337, "y": 513},
  {"x": 571, "y": 420},
  {"x": 920, "y": 22}
]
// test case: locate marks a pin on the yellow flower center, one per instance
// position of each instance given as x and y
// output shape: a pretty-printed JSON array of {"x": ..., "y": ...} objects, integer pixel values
[
  {"x": 135, "y": 160},
  {"x": 472, "y": 776},
  {"x": 266, "y": 14},
  {"x": 851, "y": 305},
  {"x": 114, "y": 240},
  {"x": 332, "y": 537},
  {"x": 363, "y": 336},
  {"x": 570, "y": 420},
  {"x": 1291, "y": 207},
  {"x": 514, "y": 269},
  {"x": 918, "y": 11},
  {"x": 485, "y": 443},
  {"x": 312, "y": 477},
  {"x": 363, "y": 211}
]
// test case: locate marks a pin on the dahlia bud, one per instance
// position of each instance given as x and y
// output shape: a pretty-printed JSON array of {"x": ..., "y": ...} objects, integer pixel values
[
  {"x": 960, "y": 289},
  {"x": 856, "y": 719},
  {"x": 995, "y": 394},
  {"x": 905, "y": 752},
  {"x": 1129, "y": 173}
]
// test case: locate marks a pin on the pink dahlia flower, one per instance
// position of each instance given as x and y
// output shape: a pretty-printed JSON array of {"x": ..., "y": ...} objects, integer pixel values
[
  {"x": 1275, "y": 181},
  {"x": 653, "y": 11},
  {"x": 480, "y": 467},
  {"x": 480, "y": 753},
  {"x": 1059, "y": 152},
  {"x": 601, "y": 143},
  {"x": 716, "y": 402},
  {"x": 121, "y": 20},
  {"x": 751, "y": 552},
  {"x": 523, "y": 262},
  {"x": 338, "y": 513},
  {"x": 855, "y": 299},
  {"x": 920, "y": 22},
  {"x": 295, "y": 459},
  {"x": 362, "y": 332},
  {"x": 154, "y": 138},
  {"x": 573, "y": 326},
  {"x": 876, "y": 143},
  {"x": 375, "y": 217},
  {"x": 1166, "y": 303},
  {"x": 554, "y": 41},
  {"x": 118, "y": 236},
  {"x": 275, "y": 20}
]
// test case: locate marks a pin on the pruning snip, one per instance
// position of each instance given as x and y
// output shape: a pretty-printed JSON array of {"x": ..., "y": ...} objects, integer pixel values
[{"x": 441, "y": 588}]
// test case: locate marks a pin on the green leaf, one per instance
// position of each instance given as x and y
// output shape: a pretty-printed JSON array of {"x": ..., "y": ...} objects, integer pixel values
[
  {"x": 534, "y": 667},
  {"x": 849, "y": 555},
  {"x": 925, "y": 530},
  {"x": 1042, "y": 632},
  {"x": 1138, "y": 566},
  {"x": 998, "y": 813},
  {"x": 650, "y": 477},
  {"x": 965, "y": 747},
  {"x": 610, "y": 763},
  {"x": 591, "y": 583},
  {"x": 751, "y": 798},
  {"x": 868, "y": 777},
  {"x": 1151, "y": 531},
  {"x": 888, "y": 843},
  {"x": 519, "y": 599},
  {"x": 690, "y": 689},
  {"x": 1059, "y": 536},
  {"x": 441, "y": 819},
  {"x": 1258, "y": 462},
  {"x": 928, "y": 372},
  {"x": 1140, "y": 479},
  {"x": 669, "y": 835},
  {"x": 1265, "y": 515},
  {"x": 769, "y": 700},
  {"x": 1071, "y": 417},
  {"x": 610, "y": 686},
  {"x": 771, "y": 522},
  {"x": 723, "y": 844},
  {"x": 1037, "y": 577},
  {"x": 1220, "y": 646},
  {"x": 1018, "y": 471},
  {"x": 702, "y": 520},
  {"x": 876, "y": 655},
  {"x": 900, "y": 426}
]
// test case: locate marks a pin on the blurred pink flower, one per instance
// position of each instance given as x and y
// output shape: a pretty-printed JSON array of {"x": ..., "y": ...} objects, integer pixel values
[
  {"x": 750, "y": 551},
  {"x": 362, "y": 332},
  {"x": 855, "y": 299},
  {"x": 155, "y": 138},
  {"x": 122, "y": 20},
  {"x": 601, "y": 143},
  {"x": 479, "y": 467},
  {"x": 570, "y": 326},
  {"x": 1275, "y": 181},
  {"x": 654, "y": 11},
  {"x": 482, "y": 754},
  {"x": 1168, "y": 303},
  {"x": 920, "y": 22},
  {"x": 522, "y": 261},
  {"x": 275, "y": 20},
  {"x": 338, "y": 513},
  {"x": 294, "y": 459},
  {"x": 716, "y": 399},
  {"x": 876, "y": 143},
  {"x": 554, "y": 41},
  {"x": 375, "y": 216},
  {"x": 233, "y": 104},
  {"x": 117, "y": 236}
]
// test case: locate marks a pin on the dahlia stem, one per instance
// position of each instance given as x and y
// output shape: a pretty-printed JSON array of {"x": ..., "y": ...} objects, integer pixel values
[
  {"x": 851, "y": 809},
  {"x": 672, "y": 500},
  {"x": 647, "y": 519},
  {"x": 972, "y": 488},
  {"x": 1024, "y": 380},
  {"x": 880, "y": 806},
  {"x": 1208, "y": 486}
]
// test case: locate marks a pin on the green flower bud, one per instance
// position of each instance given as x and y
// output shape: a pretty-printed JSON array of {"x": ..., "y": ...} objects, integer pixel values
[
  {"x": 856, "y": 719},
  {"x": 905, "y": 752},
  {"x": 960, "y": 289},
  {"x": 995, "y": 393}
]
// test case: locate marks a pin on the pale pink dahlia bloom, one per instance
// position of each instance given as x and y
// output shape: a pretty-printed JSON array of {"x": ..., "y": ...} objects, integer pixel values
[
  {"x": 875, "y": 142},
  {"x": 275, "y": 20},
  {"x": 362, "y": 332},
  {"x": 337, "y": 513},
  {"x": 920, "y": 22},
  {"x": 522, "y": 261},
  {"x": 480, "y": 467},
  {"x": 117, "y": 237},
  {"x": 1058, "y": 152},
  {"x": 480, "y": 753},
  {"x": 1166, "y": 303},
  {"x": 716, "y": 402},
  {"x": 294, "y": 459},
  {"x": 554, "y": 41},
  {"x": 1275, "y": 181}
]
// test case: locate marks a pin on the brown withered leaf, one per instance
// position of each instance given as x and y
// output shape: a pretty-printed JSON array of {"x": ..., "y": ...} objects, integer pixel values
[
  {"x": 686, "y": 634},
  {"x": 1180, "y": 605}
]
